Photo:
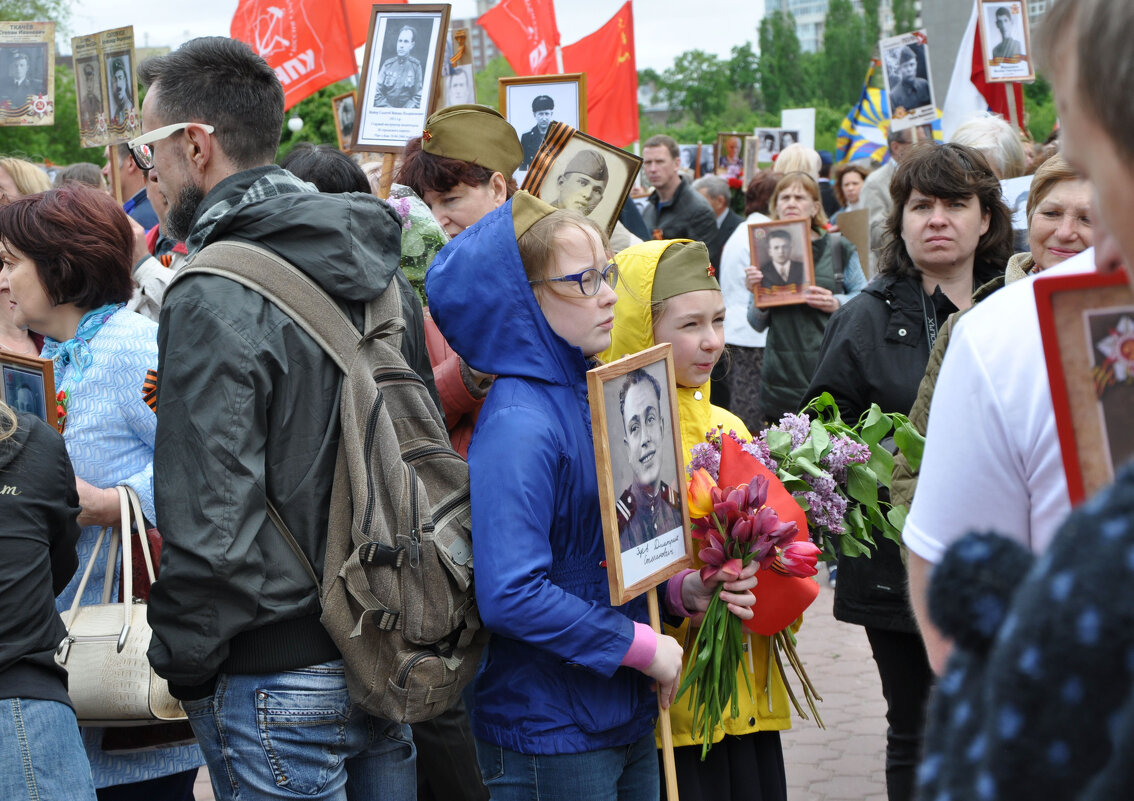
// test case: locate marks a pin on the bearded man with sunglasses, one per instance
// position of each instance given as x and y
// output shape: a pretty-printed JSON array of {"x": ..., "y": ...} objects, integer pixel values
[{"x": 247, "y": 408}]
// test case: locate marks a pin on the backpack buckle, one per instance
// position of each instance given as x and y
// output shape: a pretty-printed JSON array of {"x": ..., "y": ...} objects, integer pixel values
[{"x": 375, "y": 553}]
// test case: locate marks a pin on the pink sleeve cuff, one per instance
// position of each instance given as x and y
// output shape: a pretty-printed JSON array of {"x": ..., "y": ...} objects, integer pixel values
[
  {"x": 673, "y": 594},
  {"x": 642, "y": 650}
]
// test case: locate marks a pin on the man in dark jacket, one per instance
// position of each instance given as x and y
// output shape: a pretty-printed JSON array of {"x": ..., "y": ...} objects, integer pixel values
[
  {"x": 673, "y": 210},
  {"x": 247, "y": 414}
]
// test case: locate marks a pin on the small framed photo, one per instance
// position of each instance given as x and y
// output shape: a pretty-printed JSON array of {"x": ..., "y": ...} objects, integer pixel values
[
  {"x": 751, "y": 166},
  {"x": 531, "y": 103},
  {"x": 458, "y": 86},
  {"x": 705, "y": 163},
  {"x": 641, "y": 476},
  {"x": 782, "y": 251},
  {"x": 909, "y": 88},
  {"x": 688, "y": 155},
  {"x": 1006, "y": 40},
  {"x": 788, "y": 137},
  {"x": 343, "y": 107},
  {"x": 401, "y": 75},
  {"x": 730, "y": 162},
  {"x": 572, "y": 170},
  {"x": 769, "y": 144},
  {"x": 27, "y": 73},
  {"x": 27, "y": 384},
  {"x": 1087, "y": 327}
]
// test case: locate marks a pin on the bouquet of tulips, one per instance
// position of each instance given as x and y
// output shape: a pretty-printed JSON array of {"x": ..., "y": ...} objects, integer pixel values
[{"x": 736, "y": 526}]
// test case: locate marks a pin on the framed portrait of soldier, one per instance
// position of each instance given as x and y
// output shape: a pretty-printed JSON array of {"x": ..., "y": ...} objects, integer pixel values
[
  {"x": 781, "y": 249},
  {"x": 106, "y": 89},
  {"x": 532, "y": 103},
  {"x": 573, "y": 170},
  {"x": 909, "y": 87},
  {"x": 1087, "y": 328},
  {"x": 27, "y": 73},
  {"x": 730, "y": 161},
  {"x": 27, "y": 384},
  {"x": 343, "y": 107},
  {"x": 641, "y": 474},
  {"x": 1006, "y": 41},
  {"x": 401, "y": 75}
]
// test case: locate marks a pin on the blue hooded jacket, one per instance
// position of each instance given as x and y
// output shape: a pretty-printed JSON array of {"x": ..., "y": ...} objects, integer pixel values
[{"x": 551, "y": 682}]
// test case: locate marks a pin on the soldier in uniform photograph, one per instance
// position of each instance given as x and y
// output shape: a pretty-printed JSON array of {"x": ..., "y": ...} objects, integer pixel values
[
  {"x": 91, "y": 104},
  {"x": 19, "y": 85},
  {"x": 542, "y": 109},
  {"x": 400, "y": 77},
  {"x": 583, "y": 182},
  {"x": 649, "y": 506}
]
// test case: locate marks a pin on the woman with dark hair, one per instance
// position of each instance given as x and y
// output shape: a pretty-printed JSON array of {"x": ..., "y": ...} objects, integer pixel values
[
  {"x": 848, "y": 181},
  {"x": 949, "y": 232},
  {"x": 67, "y": 256},
  {"x": 331, "y": 170},
  {"x": 43, "y": 755}
]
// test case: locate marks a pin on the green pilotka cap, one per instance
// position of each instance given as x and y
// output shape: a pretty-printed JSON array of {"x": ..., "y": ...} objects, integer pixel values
[
  {"x": 527, "y": 210},
  {"x": 476, "y": 134},
  {"x": 683, "y": 267}
]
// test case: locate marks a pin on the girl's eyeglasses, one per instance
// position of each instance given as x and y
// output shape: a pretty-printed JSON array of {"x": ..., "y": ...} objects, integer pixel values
[{"x": 589, "y": 280}]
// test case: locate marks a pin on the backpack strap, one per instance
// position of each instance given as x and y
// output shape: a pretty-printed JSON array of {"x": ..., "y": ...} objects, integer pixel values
[{"x": 299, "y": 297}]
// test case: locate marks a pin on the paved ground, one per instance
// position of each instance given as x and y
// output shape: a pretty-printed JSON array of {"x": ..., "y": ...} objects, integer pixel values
[{"x": 845, "y": 761}]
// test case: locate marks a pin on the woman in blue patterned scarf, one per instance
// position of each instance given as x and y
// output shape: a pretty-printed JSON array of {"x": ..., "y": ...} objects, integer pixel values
[{"x": 67, "y": 256}]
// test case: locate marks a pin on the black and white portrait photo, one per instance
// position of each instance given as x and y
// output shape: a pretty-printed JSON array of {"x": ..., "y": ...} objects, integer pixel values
[
  {"x": 909, "y": 89},
  {"x": 22, "y": 74},
  {"x": 401, "y": 76},
  {"x": 344, "y": 108},
  {"x": 120, "y": 80},
  {"x": 584, "y": 174},
  {"x": 27, "y": 73},
  {"x": 23, "y": 390},
  {"x": 459, "y": 87},
  {"x": 769, "y": 142},
  {"x": 782, "y": 252},
  {"x": 532, "y": 103},
  {"x": 89, "y": 92},
  {"x": 1005, "y": 35}
]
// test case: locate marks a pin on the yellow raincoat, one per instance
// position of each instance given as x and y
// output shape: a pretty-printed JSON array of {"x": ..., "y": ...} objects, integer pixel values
[{"x": 633, "y": 332}]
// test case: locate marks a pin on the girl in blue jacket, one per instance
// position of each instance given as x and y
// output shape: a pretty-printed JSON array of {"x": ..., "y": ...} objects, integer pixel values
[{"x": 563, "y": 706}]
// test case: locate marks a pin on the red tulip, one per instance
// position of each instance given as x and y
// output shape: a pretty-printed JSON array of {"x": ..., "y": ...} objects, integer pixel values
[{"x": 798, "y": 559}]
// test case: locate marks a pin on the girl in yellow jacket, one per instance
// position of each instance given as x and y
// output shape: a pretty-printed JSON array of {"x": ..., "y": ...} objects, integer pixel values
[{"x": 667, "y": 293}]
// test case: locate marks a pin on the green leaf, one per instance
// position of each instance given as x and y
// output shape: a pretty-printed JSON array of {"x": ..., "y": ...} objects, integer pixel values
[
  {"x": 809, "y": 467},
  {"x": 820, "y": 438},
  {"x": 910, "y": 442},
  {"x": 882, "y": 464},
  {"x": 779, "y": 443},
  {"x": 875, "y": 426},
  {"x": 862, "y": 484},
  {"x": 897, "y": 516}
]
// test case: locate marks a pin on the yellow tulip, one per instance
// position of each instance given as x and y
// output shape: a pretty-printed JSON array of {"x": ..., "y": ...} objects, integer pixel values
[{"x": 700, "y": 494}]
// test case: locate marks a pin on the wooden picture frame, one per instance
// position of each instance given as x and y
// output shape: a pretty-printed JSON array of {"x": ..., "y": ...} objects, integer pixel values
[
  {"x": 764, "y": 246},
  {"x": 730, "y": 164},
  {"x": 344, "y": 108},
  {"x": 645, "y": 544},
  {"x": 1006, "y": 58},
  {"x": 910, "y": 96},
  {"x": 751, "y": 163},
  {"x": 400, "y": 88},
  {"x": 1087, "y": 328},
  {"x": 27, "y": 384},
  {"x": 574, "y": 170},
  {"x": 567, "y": 93}
]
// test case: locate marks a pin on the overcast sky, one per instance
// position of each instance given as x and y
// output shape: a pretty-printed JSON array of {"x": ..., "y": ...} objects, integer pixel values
[{"x": 663, "y": 28}]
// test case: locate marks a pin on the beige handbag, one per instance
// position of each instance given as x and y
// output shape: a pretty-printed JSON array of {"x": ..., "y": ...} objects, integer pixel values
[{"x": 109, "y": 678}]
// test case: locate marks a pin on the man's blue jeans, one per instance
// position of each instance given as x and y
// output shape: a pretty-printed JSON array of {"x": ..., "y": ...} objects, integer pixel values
[
  {"x": 41, "y": 753},
  {"x": 296, "y": 734}
]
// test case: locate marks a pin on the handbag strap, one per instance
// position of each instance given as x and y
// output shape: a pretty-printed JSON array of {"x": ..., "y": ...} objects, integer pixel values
[{"x": 128, "y": 502}]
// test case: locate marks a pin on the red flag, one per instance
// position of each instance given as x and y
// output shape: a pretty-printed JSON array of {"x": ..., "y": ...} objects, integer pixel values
[
  {"x": 607, "y": 58},
  {"x": 358, "y": 19},
  {"x": 526, "y": 33},
  {"x": 996, "y": 94},
  {"x": 304, "y": 41}
]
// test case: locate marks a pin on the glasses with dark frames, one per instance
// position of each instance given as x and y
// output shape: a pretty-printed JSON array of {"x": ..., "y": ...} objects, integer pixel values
[{"x": 589, "y": 280}]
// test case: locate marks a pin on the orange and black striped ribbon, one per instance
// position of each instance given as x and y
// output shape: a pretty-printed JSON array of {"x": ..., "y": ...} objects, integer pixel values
[
  {"x": 149, "y": 390},
  {"x": 557, "y": 137}
]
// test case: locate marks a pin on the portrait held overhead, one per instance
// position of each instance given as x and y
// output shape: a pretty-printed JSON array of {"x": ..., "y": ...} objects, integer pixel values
[
  {"x": 532, "y": 103},
  {"x": 1006, "y": 35},
  {"x": 27, "y": 73},
  {"x": 908, "y": 85}
]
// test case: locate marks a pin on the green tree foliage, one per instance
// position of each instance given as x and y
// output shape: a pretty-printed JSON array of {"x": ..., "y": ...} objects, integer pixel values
[
  {"x": 57, "y": 11},
  {"x": 744, "y": 73},
  {"x": 905, "y": 16},
  {"x": 698, "y": 84},
  {"x": 487, "y": 88},
  {"x": 782, "y": 77},
  {"x": 846, "y": 53},
  {"x": 873, "y": 25},
  {"x": 318, "y": 117}
]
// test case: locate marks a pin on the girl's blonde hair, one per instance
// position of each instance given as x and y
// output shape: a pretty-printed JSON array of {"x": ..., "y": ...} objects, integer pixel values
[
  {"x": 538, "y": 244},
  {"x": 7, "y": 421},
  {"x": 819, "y": 218}
]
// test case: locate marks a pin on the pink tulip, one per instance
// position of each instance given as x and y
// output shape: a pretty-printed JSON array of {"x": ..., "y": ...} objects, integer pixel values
[{"x": 798, "y": 559}]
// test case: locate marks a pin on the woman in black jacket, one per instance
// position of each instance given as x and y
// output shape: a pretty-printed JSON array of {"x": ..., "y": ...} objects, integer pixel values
[
  {"x": 949, "y": 232},
  {"x": 43, "y": 756}
]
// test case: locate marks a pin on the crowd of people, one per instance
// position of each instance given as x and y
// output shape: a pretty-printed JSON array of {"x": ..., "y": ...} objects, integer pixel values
[{"x": 1002, "y": 680}]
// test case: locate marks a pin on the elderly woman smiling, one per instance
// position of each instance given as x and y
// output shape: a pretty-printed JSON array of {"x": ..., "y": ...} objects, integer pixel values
[{"x": 1059, "y": 218}]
